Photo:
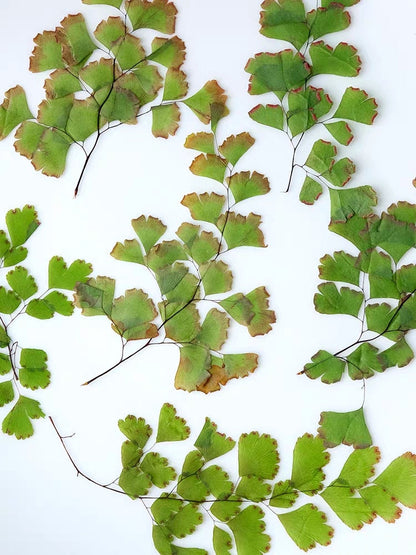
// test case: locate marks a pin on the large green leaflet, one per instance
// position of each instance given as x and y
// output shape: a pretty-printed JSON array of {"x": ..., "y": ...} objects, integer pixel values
[
  {"x": 26, "y": 367},
  {"x": 289, "y": 75},
  {"x": 119, "y": 87},
  {"x": 215, "y": 229},
  {"x": 357, "y": 496}
]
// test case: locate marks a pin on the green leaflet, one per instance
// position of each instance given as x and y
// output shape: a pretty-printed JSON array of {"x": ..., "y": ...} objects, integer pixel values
[
  {"x": 19, "y": 420},
  {"x": 307, "y": 527},
  {"x": 349, "y": 428}
]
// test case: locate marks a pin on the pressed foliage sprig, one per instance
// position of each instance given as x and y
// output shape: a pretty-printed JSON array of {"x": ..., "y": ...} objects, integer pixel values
[
  {"x": 85, "y": 99},
  {"x": 370, "y": 277},
  {"x": 237, "y": 507},
  {"x": 26, "y": 367},
  {"x": 288, "y": 75},
  {"x": 190, "y": 270}
]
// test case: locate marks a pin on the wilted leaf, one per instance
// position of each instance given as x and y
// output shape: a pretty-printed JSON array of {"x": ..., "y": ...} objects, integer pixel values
[{"x": 348, "y": 202}]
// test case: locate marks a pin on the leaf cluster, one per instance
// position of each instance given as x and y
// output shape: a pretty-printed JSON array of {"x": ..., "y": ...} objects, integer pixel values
[
  {"x": 288, "y": 75},
  {"x": 236, "y": 508},
  {"x": 373, "y": 286},
  {"x": 26, "y": 367},
  {"x": 100, "y": 81},
  {"x": 189, "y": 270}
]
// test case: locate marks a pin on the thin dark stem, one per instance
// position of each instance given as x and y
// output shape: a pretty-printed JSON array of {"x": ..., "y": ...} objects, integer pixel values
[
  {"x": 293, "y": 164},
  {"x": 79, "y": 472}
]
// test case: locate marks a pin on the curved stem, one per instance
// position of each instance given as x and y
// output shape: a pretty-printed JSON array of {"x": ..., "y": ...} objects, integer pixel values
[{"x": 79, "y": 472}]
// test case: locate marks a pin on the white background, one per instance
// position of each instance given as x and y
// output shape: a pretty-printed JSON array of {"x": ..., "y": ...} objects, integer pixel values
[{"x": 44, "y": 507}]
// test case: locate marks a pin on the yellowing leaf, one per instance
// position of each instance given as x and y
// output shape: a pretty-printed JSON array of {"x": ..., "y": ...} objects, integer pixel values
[
  {"x": 132, "y": 315},
  {"x": 246, "y": 185},
  {"x": 47, "y": 53},
  {"x": 209, "y": 165},
  {"x": 168, "y": 52},
  {"x": 158, "y": 14},
  {"x": 206, "y": 206},
  {"x": 165, "y": 120},
  {"x": 193, "y": 367},
  {"x": 201, "y": 103},
  {"x": 240, "y": 231},
  {"x": 235, "y": 146}
]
